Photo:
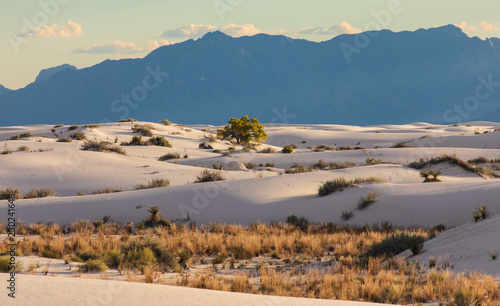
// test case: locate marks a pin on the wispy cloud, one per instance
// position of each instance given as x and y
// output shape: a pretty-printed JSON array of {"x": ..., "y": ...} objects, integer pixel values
[
  {"x": 71, "y": 29},
  {"x": 113, "y": 47},
  {"x": 482, "y": 26},
  {"x": 196, "y": 31}
]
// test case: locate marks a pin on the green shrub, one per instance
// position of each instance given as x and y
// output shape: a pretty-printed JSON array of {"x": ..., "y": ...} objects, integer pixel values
[
  {"x": 136, "y": 257},
  {"x": 209, "y": 176},
  {"x": 346, "y": 215},
  {"x": 184, "y": 255},
  {"x": 480, "y": 213},
  {"x": 113, "y": 258},
  {"x": 270, "y": 165},
  {"x": 249, "y": 165},
  {"x": 5, "y": 194},
  {"x": 5, "y": 264},
  {"x": 394, "y": 244},
  {"x": 219, "y": 258},
  {"x": 136, "y": 141},
  {"x": 93, "y": 265},
  {"x": 430, "y": 175},
  {"x": 154, "y": 183},
  {"x": 370, "y": 198},
  {"x": 169, "y": 156},
  {"x": 78, "y": 135},
  {"x": 493, "y": 254},
  {"x": 416, "y": 243},
  {"x": 73, "y": 127},
  {"x": 51, "y": 254},
  {"x": 288, "y": 149}
]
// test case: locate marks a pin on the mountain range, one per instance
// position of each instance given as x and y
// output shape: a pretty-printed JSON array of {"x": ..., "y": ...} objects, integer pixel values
[{"x": 437, "y": 75}]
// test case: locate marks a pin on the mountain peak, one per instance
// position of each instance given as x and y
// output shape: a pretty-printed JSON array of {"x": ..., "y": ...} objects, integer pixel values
[
  {"x": 47, "y": 73},
  {"x": 450, "y": 29},
  {"x": 216, "y": 35}
]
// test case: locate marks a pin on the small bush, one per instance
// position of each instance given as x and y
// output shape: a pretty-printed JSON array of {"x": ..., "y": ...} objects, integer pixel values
[
  {"x": 370, "y": 198},
  {"x": 217, "y": 151},
  {"x": 341, "y": 183},
  {"x": 40, "y": 193},
  {"x": 166, "y": 122},
  {"x": 5, "y": 194},
  {"x": 136, "y": 141},
  {"x": 65, "y": 139},
  {"x": 209, "y": 176},
  {"x": 128, "y": 120},
  {"x": 373, "y": 161},
  {"x": 6, "y": 151},
  {"x": 23, "y": 148},
  {"x": 393, "y": 245},
  {"x": 219, "y": 258},
  {"x": 58, "y": 125},
  {"x": 464, "y": 297},
  {"x": 478, "y": 160},
  {"x": 493, "y": 254},
  {"x": 205, "y": 145},
  {"x": 415, "y": 243},
  {"x": 144, "y": 129},
  {"x": 430, "y": 175},
  {"x": 73, "y": 127},
  {"x": 169, "y": 156},
  {"x": 249, "y": 165},
  {"x": 268, "y": 150},
  {"x": 102, "y": 191},
  {"x": 5, "y": 264},
  {"x": 400, "y": 145},
  {"x": 93, "y": 265},
  {"x": 154, "y": 183},
  {"x": 78, "y": 135},
  {"x": 270, "y": 165},
  {"x": 480, "y": 213},
  {"x": 289, "y": 149},
  {"x": 346, "y": 215},
  {"x": 102, "y": 146},
  {"x": 160, "y": 141},
  {"x": 92, "y": 126},
  {"x": 184, "y": 255},
  {"x": 23, "y": 135}
]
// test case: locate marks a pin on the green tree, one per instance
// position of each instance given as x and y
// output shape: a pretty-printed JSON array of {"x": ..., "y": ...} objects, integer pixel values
[{"x": 243, "y": 130}]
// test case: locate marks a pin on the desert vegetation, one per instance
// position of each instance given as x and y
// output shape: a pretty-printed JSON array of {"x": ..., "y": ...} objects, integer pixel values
[
  {"x": 243, "y": 131},
  {"x": 341, "y": 183},
  {"x": 102, "y": 146}
]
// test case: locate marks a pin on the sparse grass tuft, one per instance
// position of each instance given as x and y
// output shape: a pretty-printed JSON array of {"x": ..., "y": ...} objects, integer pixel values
[
  {"x": 65, "y": 139},
  {"x": 205, "y": 145},
  {"x": 289, "y": 149},
  {"x": 430, "y": 175},
  {"x": 268, "y": 150},
  {"x": 394, "y": 244},
  {"x": 480, "y": 213},
  {"x": 169, "y": 156},
  {"x": 154, "y": 183},
  {"x": 144, "y": 129},
  {"x": 23, "y": 148},
  {"x": 78, "y": 135},
  {"x": 346, "y": 215},
  {"x": 166, "y": 122},
  {"x": 73, "y": 127},
  {"x": 209, "y": 176},
  {"x": 371, "y": 197},
  {"x": 23, "y": 135},
  {"x": 128, "y": 120},
  {"x": 92, "y": 126},
  {"x": 102, "y": 146},
  {"x": 341, "y": 183}
]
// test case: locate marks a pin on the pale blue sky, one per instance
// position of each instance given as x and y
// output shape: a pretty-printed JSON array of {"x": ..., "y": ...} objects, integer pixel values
[{"x": 86, "y": 32}]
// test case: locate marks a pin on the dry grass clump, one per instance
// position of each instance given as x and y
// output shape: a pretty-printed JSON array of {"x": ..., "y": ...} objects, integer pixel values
[
  {"x": 430, "y": 175},
  {"x": 144, "y": 129},
  {"x": 73, "y": 127},
  {"x": 92, "y": 126},
  {"x": 268, "y": 150},
  {"x": 23, "y": 135},
  {"x": 371, "y": 198},
  {"x": 78, "y": 135},
  {"x": 169, "y": 156},
  {"x": 341, "y": 183},
  {"x": 128, "y": 120},
  {"x": 165, "y": 122},
  {"x": 320, "y": 165},
  {"x": 40, "y": 193},
  {"x": 102, "y": 146},
  {"x": 400, "y": 145},
  {"x": 5, "y": 194},
  {"x": 209, "y": 176},
  {"x": 65, "y": 139},
  {"x": 23, "y": 148},
  {"x": 322, "y": 148},
  {"x": 289, "y": 148},
  {"x": 454, "y": 160},
  {"x": 154, "y": 183},
  {"x": 101, "y": 191}
]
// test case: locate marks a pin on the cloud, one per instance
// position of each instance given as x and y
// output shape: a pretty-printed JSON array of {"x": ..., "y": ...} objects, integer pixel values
[
  {"x": 190, "y": 30},
  {"x": 196, "y": 31},
  {"x": 337, "y": 29},
  {"x": 482, "y": 26},
  {"x": 71, "y": 29},
  {"x": 113, "y": 47},
  {"x": 155, "y": 44}
]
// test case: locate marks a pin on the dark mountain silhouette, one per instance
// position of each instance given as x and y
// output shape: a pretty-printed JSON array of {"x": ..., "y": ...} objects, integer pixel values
[{"x": 428, "y": 75}]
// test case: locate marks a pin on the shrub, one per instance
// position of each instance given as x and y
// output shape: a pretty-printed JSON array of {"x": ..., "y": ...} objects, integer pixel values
[
  {"x": 65, "y": 139},
  {"x": 270, "y": 165},
  {"x": 219, "y": 258},
  {"x": 301, "y": 222},
  {"x": 209, "y": 176},
  {"x": 373, "y": 161},
  {"x": 184, "y": 255},
  {"x": 169, "y": 156},
  {"x": 154, "y": 183},
  {"x": 268, "y": 150},
  {"x": 73, "y": 127},
  {"x": 160, "y": 141},
  {"x": 78, "y": 135},
  {"x": 400, "y": 145},
  {"x": 128, "y": 120},
  {"x": 393, "y": 245},
  {"x": 478, "y": 160},
  {"x": 23, "y": 148},
  {"x": 144, "y": 129},
  {"x": 249, "y": 165},
  {"x": 102, "y": 191},
  {"x": 5, "y": 194},
  {"x": 370, "y": 198},
  {"x": 58, "y": 125},
  {"x": 23, "y": 135},
  {"x": 113, "y": 258},
  {"x": 205, "y": 145},
  {"x": 341, "y": 183},
  {"x": 464, "y": 297},
  {"x": 415, "y": 243},
  {"x": 40, "y": 193},
  {"x": 149, "y": 251},
  {"x": 493, "y": 254},
  {"x": 480, "y": 213},
  {"x": 346, "y": 215},
  {"x": 93, "y": 265},
  {"x": 92, "y": 126},
  {"x": 430, "y": 175},
  {"x": 6, "y": 151},
  {"x": 243, "y": 130},
  {"x": 288, "y": 149},
  {"x": 217, "y": 151},
  {"x": 102, "y": 146},
  {"x": 166, "y": 122},
  {"x": 136, "y": 141},
  {"x": 5, "y": 265}
]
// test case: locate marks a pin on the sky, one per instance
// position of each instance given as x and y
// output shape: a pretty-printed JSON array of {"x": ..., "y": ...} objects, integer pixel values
[{"x": 39, "y": 34}]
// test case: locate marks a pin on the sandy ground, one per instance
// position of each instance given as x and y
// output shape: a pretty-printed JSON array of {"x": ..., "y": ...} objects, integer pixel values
[{"x": 263, "y": 193}]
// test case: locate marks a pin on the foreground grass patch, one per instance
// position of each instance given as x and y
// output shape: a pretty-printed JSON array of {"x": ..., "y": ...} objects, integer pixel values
[{"x": 341, "y": 183}]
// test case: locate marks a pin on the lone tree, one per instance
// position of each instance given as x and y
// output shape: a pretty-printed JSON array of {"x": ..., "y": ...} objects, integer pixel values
[{"x": 243, "y": 130}]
